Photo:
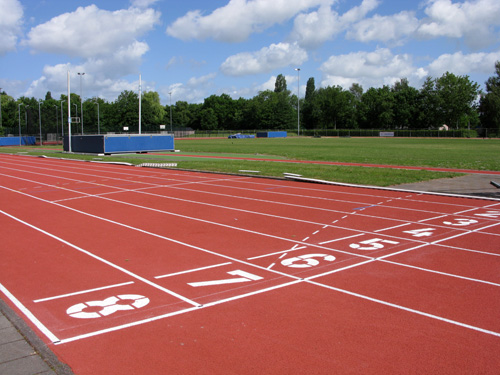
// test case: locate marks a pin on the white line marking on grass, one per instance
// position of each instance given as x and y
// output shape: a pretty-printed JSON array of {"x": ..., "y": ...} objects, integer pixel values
[
  {"x": 82, "y": 292},
  {"x": 29, "y": 315}
]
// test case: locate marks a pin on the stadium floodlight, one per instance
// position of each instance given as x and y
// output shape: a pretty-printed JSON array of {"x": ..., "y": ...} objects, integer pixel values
[
  {"x": 40, "y": 121},
  {"x": 298, "y": 101},
  {"x": 57, "y": 124},
  {"x": 81, "y": 99},
  {"x": 170, "y": 93},
  {"x": 19, "y": 115},
  {"x": 98, "y": 120},
  {"x": 62, "y": 118}
]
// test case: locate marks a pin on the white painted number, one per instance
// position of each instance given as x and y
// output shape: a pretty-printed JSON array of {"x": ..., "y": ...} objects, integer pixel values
[
  {"x": 375, "y": 244},
  {"x": 420, "y": 232},
  {"x": 306, "y": 261},
  {"x": 492, "y": 214},
  {"x": 461, "y": 222},
  {"x": 108, "y": 306},
  {"x": 245, "y": 277}
]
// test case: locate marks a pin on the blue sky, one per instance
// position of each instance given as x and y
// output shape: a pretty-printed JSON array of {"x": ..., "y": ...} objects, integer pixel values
[{"x": 197, "y": 48}]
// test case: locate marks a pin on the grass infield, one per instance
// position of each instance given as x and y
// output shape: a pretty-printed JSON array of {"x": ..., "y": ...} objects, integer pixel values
[{"x": 474, "y": 154}]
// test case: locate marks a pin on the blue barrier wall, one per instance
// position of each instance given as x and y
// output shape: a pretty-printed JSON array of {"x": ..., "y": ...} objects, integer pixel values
[
  {"x": 277, "y": 134},
  {"x": 113, "y": 144},
  {"x": 14, "y": 141}
]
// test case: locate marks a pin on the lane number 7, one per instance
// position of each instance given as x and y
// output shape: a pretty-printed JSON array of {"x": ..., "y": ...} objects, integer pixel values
[{"x": 244, "y": 277}]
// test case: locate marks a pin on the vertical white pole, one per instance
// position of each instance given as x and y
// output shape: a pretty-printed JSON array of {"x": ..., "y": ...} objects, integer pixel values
[
  {"x": 140, "y": 100},
  {"x": 69, "y": 115}
]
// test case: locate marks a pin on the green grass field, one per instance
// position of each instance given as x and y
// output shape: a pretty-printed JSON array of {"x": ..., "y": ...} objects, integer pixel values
[{"x": 475, "y": 154}]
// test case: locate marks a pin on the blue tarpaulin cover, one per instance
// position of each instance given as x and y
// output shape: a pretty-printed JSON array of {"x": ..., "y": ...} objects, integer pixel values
[{"x": 239, "y": 135}]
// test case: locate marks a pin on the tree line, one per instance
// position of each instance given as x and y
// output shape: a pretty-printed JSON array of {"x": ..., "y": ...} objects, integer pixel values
[{"x": 450, "y": 100}]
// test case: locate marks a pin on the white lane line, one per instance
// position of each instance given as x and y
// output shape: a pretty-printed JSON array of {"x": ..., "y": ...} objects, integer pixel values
[
  {"x": 440, "y": 273},
  {"x": 399, "y": 307},
  {"x": 29, "y": 315},
  {"x": 342, "y": 238},
  {"x": 82, "y": 292},
  {"x": 210, "y": 183},
  {"x": 123, "y": 326},
  {"x": 394, "y": 227},
  {"x": 140, "y": 322},
  {"x": 146, "y": 281},
  {"x": 193, "y": 270},
  {"x": 102, "y": 196},
  {"x": 171, "y": 239}
]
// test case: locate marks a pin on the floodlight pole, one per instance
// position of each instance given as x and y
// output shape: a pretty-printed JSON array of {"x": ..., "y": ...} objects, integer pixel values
[
  {"x": 170, "y": 93},
  {"x": 57, "y": 124},
  {"x": 69, "y": 115},
  {"x": 40, "y": 122},
  {"x": 98, "y": 121},
  {"x": 298, "y": 101},
  {"x": 62, "y": 119},
  {"x": 140, "y": 102},
  {"x": 19, "y": 115},
  {"x": 81, "y": 99}
]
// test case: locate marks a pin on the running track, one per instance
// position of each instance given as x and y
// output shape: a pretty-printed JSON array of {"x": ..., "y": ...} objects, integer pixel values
[{"x": 145, "y": 271}]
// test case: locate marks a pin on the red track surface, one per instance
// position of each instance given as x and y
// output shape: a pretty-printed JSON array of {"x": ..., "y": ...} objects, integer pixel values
[{"x": 143, "y": 271}]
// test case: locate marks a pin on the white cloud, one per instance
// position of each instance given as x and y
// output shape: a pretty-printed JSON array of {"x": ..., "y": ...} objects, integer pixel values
[
  {"x": 143, "y": 3},
  {"x": 105, "y": 41},
  {"x": 195, "y": 90},
  {"x": 359, "y": 12},
  {"x": 370, "y": 69},
  {"x": 10, "y": 24},
  {"x": 472, "y": 20},
  {"x": 91, "y": 32},
  {"x": 238, "y": 19},
  {"x": 461, "y": 64},
  {"x": 315, "y": 28},
  {"x": 265, "y": 60},
  {"x": 385, "y": 28}
]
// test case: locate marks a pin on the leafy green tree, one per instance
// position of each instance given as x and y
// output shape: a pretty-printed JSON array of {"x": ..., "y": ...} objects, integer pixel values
[
  {"x": 9, "y": 112},
  {"x": 271, "y": 110},
  {"x": 336, "y": 108},
  {"x": 427, "y": 107},
  {"x": 227, "y": 110},
  {"x": 377, "y": 111},
  {"x": 405, "y": 104},
  {"x": 310, "y": 109},
  {"x": 280, "y": 84},
  {"x": 208, "y": 119},
  {"x": 357, "y": 90},
  {"x": 456, "y": 99},
  {"x": 152, "y": 112},
  {"x": 490, "y": 102},
  {"x": 125, "y": 111}
]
